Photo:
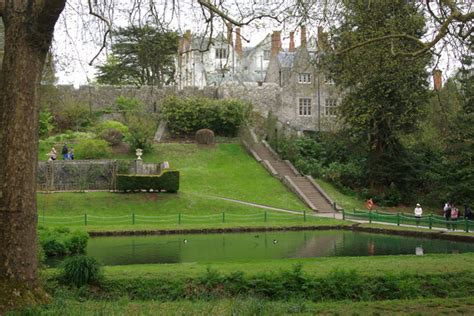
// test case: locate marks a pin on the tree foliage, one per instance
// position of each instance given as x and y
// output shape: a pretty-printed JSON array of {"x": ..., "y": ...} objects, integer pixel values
[
  {"x": 140, "y": 56},
  {"x": 385, "y": 93}
]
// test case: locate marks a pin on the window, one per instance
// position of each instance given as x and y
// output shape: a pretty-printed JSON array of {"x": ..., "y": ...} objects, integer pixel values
[
  {"x": 304, "y": 78},
  {"x": 266, "y": 54},
  {"x": 221, "y": 53},
  {"x": 331, "y": 107},
  {"x": 304, "y": 108}
]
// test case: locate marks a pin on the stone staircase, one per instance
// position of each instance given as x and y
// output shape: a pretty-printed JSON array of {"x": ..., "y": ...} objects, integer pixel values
[{"x": 303, "y": 186}]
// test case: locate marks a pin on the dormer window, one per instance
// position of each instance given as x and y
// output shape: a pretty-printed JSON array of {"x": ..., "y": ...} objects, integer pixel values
[
  {"x": 221, "y": 53},
  {"x": 304, "y": 78}
]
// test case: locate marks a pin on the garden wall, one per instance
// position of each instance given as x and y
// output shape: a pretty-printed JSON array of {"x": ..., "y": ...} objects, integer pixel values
[{"x": 79, "y": 175}]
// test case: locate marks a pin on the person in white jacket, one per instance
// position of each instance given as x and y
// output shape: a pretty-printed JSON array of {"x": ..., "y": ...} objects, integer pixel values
[{"x": 418, "y": 212}]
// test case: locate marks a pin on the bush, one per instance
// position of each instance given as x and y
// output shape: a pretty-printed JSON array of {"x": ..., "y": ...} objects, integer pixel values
[
  {"x": 61, "y": 241},
  {"x": 142, "y": 129},
  {"x": 115, "y": 125},
  {"x": 128, "y": 104},
  {"x": 168, "y": 181},
  {"x": 93, "y": 149},
  {"x": 81, "y": 270},
  {"x": 186, "y": 116},
  {"x": 112, "y": 136},
  {"x": 45, "y": 123},
  {"x": 72, "y": 116},
  {"x": 205, "y": 136}
]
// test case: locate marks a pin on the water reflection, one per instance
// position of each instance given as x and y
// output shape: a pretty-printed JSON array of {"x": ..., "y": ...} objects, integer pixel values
[{"x": 243, "y": 247}]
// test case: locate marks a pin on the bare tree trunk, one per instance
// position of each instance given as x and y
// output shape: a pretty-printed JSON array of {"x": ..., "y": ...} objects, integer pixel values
[{"x": 29, "y": 26}]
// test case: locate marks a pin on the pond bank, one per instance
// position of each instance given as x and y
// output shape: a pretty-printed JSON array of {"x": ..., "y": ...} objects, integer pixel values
[{"x": 354, "y": 227}]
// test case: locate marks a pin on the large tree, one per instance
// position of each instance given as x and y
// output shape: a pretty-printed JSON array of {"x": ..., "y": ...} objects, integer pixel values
[
  {"x": 29, "y": 27},
  {"x": 385, "y": 91},
  {"x": 140, "y": 56}
]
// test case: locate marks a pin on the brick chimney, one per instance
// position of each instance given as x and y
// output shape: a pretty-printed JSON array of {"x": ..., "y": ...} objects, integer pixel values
[
  {"x": 238, "y": 42},
  {"x": 292, "y": 42},
  {"x": 276, "y": 42},
  {"x": 437, "y": 79},
  {"x": 303, "y": 36},
  {"x": 230, "y": 42}
]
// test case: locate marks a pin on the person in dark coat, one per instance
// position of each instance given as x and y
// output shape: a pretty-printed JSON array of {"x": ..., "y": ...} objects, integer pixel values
[
  {"x": 65, "y": 152},
  {"x": 467, "y": 212}
]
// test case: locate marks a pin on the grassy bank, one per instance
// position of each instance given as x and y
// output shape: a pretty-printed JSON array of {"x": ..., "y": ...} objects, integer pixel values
[{"x": 431, "y": 306}]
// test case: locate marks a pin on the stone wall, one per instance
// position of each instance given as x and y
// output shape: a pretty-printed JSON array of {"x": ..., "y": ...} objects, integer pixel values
[
  {"x": 100, "y": 98},
  {"x": 76, "y": 175},
  {"x": 80, "y": 175},
  {"x": 265, "y": 97}
]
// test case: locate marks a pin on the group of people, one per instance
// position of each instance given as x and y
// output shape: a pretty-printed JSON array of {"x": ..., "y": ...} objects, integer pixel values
[
  {"x": 67, "y": 153},
  {"x": 451, "y": 212}
]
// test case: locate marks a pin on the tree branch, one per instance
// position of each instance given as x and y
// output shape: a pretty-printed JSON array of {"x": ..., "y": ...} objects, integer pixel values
[{"x": 109, "y": 28}]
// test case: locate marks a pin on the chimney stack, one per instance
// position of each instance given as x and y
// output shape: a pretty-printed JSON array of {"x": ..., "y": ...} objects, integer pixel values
[
  {"x": 303, "y": 36},
  {"x": 238, "y": 42},
  {"x": 292, "y": 42},
  {"x": 437, "y": 79},
  {"x": 229, "y": 34},
  {"x": 276, "y": 42}
]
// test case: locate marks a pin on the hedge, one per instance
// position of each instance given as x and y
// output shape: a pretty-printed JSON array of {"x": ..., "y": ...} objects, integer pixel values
[
  {"x": 168, "y": 181},
  {"x": 186, "y": 116}
]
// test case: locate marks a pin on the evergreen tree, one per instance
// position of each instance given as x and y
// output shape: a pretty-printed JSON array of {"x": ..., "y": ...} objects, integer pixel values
[
  {"x": 386, "y": 92},
  {"x": 140, "y": 56}
]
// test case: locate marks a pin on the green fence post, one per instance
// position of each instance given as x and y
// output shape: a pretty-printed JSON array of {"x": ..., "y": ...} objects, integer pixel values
[
  {"x": 133, "y": 218},
  {"x": 223, "y": 217},
  {"x": 370, "y": 217},
  {"x": 398, "y": 218},
  {"x": 265, "y": 216},
  {"x": 304, "y": 216},
  {"x": 430, "y": 223},
  {"x": 179, "y": 218},
  {"x": 343, "y": 215},
  {"x": 467, "y": 224},
  {"x": 85, "y": 219}
]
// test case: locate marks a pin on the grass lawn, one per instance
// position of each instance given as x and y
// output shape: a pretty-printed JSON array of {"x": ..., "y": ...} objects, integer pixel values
[
  {"x": 254, "y": 306},
  {"x": 317, "y": 267},
  {"x": 113, "y": 212},
  {"x": 225, "y": 170}
]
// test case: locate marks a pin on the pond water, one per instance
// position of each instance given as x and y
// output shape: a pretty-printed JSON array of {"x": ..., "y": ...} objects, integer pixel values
[{"x": 242, "y": 247}]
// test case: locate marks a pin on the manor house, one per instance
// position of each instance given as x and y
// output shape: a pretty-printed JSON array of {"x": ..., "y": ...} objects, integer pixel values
[{"x": 285, "y": 81}]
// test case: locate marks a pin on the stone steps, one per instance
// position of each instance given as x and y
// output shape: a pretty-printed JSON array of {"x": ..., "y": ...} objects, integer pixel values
[{"x": 302, "y": 183}]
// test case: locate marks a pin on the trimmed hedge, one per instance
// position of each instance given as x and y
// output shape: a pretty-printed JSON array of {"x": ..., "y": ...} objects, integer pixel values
[{"x": 168, "y": 181}]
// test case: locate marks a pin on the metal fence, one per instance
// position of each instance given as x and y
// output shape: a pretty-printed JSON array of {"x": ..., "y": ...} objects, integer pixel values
[
  {"x": 179, "y": 218},
  {"x": 430, "y": 221}
]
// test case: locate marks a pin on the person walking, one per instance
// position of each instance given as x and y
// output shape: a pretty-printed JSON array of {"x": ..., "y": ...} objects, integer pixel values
[
  {"x": 65, "y": 152},
  {"x": 418, "y": 213}
]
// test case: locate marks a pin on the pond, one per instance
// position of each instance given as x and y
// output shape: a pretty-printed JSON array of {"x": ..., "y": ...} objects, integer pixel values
[{"x": 244, "y": 247}]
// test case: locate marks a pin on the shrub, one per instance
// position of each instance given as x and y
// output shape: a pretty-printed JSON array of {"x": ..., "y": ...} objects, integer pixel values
[
  {"x": 186, "y": 116},
  {"x": 168, "y": 181},
  {"x": 112, "y": 136},
  {"x": 72, "y": 116},
  {"x": 61, "y": 241},
  {"x": 142, "y": 129},
  {"x": 81, "y": 270},
  {"x": 92, "y": 149},
  {"x": 205, "y": 136},
  {"x": 128, "y": 104},
  {"x": 115, "y": 125},
  {"x": 45, "y": 123}
]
